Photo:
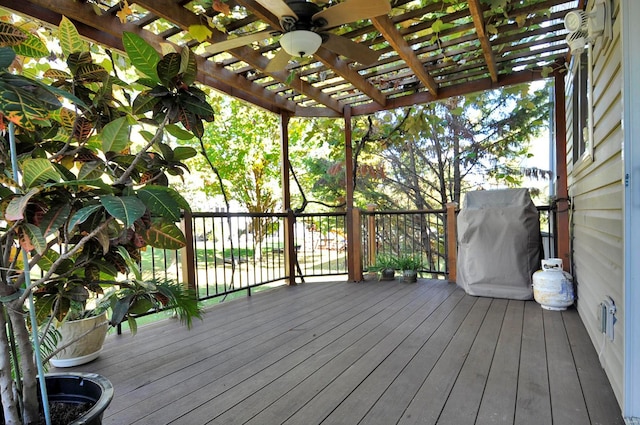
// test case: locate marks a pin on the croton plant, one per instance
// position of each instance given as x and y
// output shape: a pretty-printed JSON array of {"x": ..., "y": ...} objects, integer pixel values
[{"x": 87, "y": 187}]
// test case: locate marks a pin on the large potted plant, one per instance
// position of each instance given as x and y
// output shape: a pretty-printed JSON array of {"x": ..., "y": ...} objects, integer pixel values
[
  {"x": 82, "y": 331},
  {"x": 78, "y": 197}
]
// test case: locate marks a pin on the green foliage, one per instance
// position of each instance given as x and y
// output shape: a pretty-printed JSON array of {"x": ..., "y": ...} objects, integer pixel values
[
  {"x": 385, "y": 261},
  {"x": 93, "y": 183},
  {"x": 136, "y": 297},
  {"x": 409, "y": 262}
]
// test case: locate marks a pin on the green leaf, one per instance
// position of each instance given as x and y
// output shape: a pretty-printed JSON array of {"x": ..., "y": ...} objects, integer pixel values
[
  {"x": 165, "y": 235},
  {"x": 91, "y": 170},
  {"x": 178, "y": 132},
  {"x": 184, "y": 152},
  {"x": 437, "y": 25},
  {"x": 120, "y": 308},
  {"x": 546, "y": 71},
  {"x": 127, "y": 209},
  {"x": 131, "y": 263},
  {"x": 144, "y": 103},
  {"x": 36, "y": 239},
  {"x": 54, "y": 218},
  {"x": 70, "y": 40},
  {"x": 82, "y": 215},
  {"x": 160, "y": 202},
  {"x": 141, "y": 54},
  {"x": 188, "y": 66},
  {"x": 200, "y": 32},
  {"x": 196, "y": 106},
  {"x": 38, "y": 171},
  {"x": 7, "y": 56},
  {"x": 169, "y": 68},
  {"x": 115, "y": 135}
]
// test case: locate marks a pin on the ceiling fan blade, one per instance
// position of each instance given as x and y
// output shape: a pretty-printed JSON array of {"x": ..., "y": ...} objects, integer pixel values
[
  {"x": 232, "y": 43},
  {"x": 352, "y": 10},
  {"x": 278, "y": 8},
  {"x": 279, "y": 62},
  {"x": 349, "y": 48}
]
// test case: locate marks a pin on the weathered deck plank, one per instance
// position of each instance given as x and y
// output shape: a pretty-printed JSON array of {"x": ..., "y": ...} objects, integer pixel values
[{"x": 372, "y": 353}]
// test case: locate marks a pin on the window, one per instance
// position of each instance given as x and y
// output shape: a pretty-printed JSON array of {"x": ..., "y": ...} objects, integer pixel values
[{"x": 581, "y": 106}]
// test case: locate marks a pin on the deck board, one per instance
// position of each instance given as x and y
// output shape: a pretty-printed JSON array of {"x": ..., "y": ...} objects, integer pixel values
[{"x": 367, "y": 353}]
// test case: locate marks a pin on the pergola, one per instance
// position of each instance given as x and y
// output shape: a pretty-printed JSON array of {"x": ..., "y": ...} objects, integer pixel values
[{"x": 428, "y": 50}]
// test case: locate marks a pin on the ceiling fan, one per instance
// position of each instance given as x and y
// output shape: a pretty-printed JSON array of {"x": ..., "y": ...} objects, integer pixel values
[{"x": 303, "y": 28}]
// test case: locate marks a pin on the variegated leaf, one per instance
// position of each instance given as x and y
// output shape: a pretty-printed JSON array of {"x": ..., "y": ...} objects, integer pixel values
[
  {"x": 70, "y": 40},
  {"x": 32, "y": 47},
  {"x": 31, "y": 238},
  {"x": 38, "y": 171},
  {"x": 165, "y": 235},
  {"x": 141, "y": 54}
]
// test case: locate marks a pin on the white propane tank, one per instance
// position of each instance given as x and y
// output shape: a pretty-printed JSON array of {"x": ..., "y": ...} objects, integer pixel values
[{"x": 552, "y": 286}]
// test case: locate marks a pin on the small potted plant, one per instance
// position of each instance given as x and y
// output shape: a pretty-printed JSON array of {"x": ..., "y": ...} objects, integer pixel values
[
  {"x": 410, "y": 264},
  {"x": 385, "y": 265},
  {"x": 83, "y": 184}
]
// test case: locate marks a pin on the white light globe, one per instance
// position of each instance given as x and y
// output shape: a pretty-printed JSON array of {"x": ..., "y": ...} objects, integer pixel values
[{"x": 300, "y": 42}]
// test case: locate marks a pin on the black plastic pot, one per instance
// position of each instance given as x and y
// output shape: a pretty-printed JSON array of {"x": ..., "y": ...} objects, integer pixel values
[
  {"x": 387, "y": 274},
  {"x": 77, "y": 388}
]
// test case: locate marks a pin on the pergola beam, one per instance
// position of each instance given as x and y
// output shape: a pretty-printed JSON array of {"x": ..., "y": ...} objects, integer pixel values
[
  {"x": 107, "y": 31},
  {"x": 399, "y": 44},
  {"x": 184, "y": 18},
  {"x": 475, "y": 8}
]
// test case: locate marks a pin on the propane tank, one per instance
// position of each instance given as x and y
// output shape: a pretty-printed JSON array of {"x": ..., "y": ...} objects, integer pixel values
[{"x": 552, "y": 286}]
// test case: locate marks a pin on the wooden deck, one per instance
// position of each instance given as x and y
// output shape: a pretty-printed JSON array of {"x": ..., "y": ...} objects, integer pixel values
[{"x": 361, "y": 353}]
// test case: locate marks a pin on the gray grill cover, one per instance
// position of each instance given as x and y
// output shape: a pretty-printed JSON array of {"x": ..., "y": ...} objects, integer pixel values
[{"x": 499, "y": 245}]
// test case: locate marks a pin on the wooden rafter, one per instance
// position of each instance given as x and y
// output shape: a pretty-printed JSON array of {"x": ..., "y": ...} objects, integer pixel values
[
  {"x": 410, "y": 69},
  {"x": 182, "y": 17},
  {"x": 107, "y": 30},
  {"x": 476, "y": 10},
  {"x": 395, "y": 39}
]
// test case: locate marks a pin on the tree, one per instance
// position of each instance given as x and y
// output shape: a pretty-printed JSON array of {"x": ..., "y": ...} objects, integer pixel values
[{"x": 435, "y": 152}]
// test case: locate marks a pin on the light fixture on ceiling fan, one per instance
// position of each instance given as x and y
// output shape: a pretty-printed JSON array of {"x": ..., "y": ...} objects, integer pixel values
[
  {"x": 300, "y": 42},
  {"x": 304, "y": 28}
]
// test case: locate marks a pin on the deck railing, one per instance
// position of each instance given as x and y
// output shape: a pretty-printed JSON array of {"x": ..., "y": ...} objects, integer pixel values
[
  {"x": 414, "y": 233},
  {"x": 231, "y": 252}
]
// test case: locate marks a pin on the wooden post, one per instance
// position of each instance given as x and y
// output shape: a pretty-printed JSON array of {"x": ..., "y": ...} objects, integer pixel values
[
  {"x": 188, "y": 257},
  {"x": 452, "y": 241},
  {"x": 371, "y": 230},
  {"x": 289, "y": 243},
  {"x": 562, "y": 192}
]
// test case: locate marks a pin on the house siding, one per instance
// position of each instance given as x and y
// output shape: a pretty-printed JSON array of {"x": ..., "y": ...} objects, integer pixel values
[{"x": 597, "y": 197}]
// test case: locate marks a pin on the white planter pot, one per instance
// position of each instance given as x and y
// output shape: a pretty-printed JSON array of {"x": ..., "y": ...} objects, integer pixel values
[{"x": 86, "y": 348}]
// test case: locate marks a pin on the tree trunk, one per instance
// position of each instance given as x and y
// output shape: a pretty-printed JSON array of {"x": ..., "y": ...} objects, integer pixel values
[
  {"x": 30, "y": 413},
  {"x": 7, "y": 393}
]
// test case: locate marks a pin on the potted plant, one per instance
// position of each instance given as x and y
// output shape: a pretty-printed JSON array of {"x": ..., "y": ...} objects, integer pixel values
[
  {"x": 385, "y": 265},
  {"x": 84, "y": 328},
  {"x": 78, "y": 197},
  {"x": 410, "y": 264}
]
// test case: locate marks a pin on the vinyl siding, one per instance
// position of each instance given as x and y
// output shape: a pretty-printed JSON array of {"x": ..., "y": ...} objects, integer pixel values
[{"x": 596, "y": 191}]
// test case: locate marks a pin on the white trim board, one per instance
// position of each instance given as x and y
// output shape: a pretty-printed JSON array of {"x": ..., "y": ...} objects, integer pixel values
[{"x": 630, "y": 15}]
